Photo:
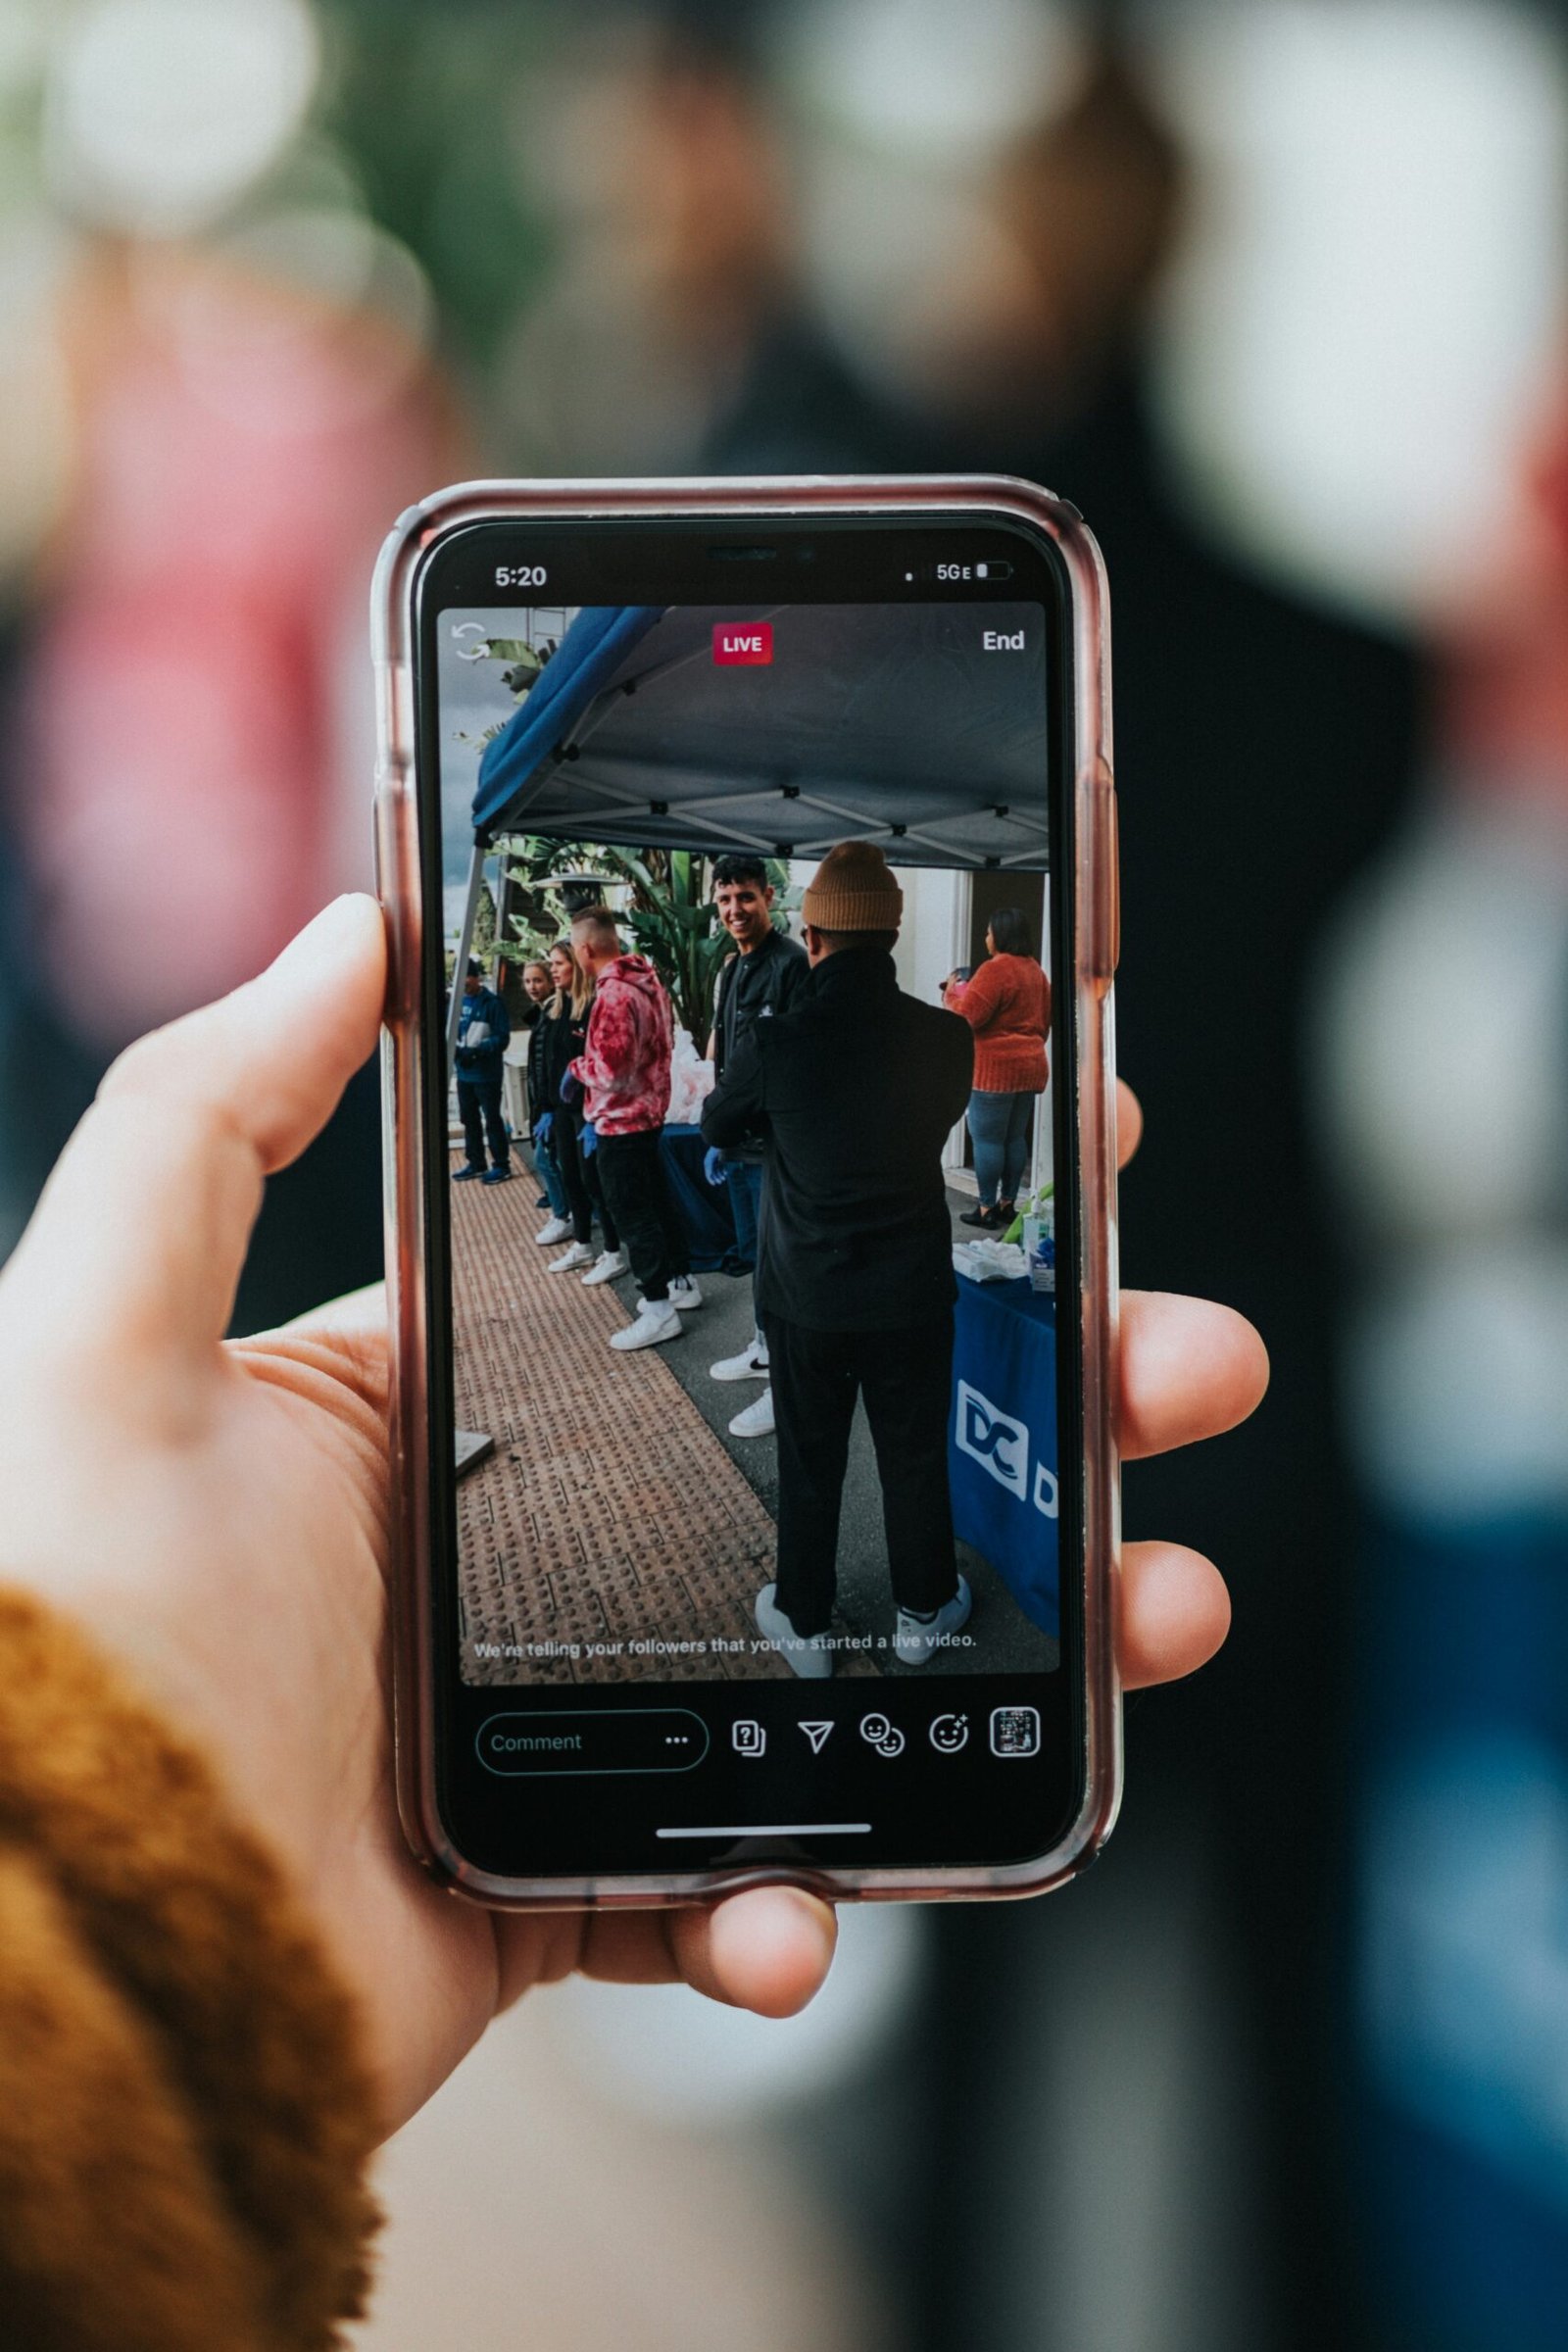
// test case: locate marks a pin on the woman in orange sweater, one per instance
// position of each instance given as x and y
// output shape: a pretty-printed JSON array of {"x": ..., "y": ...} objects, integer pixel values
[{"x": 1008, "y": 1006}]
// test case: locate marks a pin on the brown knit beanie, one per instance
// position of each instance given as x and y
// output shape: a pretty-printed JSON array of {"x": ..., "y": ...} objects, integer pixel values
[{"x": 852, "y": 890}]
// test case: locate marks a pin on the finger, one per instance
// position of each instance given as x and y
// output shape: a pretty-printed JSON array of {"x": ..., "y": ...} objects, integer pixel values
[
  {"x": 1175, "y": 1612},
  {"x": 1129, "y": 1122},
  {"x": 140, "y": 1234},
  {"x": 768, "y": 1949},
  {"x": 1189, "y": 1370},
  {"x": 347, "y": 1341},
  {"x": 356, "y": 1315},
  {"x": 273, "y": 1058}
]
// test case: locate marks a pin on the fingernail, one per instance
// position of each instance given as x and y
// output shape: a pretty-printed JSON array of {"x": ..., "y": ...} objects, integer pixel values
[
  {"x": 809, "y": 1909},
  {"x": 326, "y": 934}
]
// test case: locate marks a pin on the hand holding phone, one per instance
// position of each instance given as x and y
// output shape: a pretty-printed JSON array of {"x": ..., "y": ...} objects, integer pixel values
[{"x": 166, "y": 1487}]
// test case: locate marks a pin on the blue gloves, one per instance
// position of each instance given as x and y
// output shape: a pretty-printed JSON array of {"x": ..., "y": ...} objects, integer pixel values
[
  {"x": 713, "y": 1164},
  {"x": 570, "y": 1088},
  {"x": 590, "y": 1139},
  {"x": 542, "y": 1126}
]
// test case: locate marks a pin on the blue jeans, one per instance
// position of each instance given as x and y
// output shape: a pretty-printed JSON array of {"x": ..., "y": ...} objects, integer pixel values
[
  {"x": 547, "y": 1168},
  {"x": 999, "y": 1126},
  {"x": 744, "y": 1180}
]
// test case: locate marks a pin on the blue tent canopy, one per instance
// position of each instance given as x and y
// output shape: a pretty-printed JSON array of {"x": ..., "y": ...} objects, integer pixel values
[
  {"x": 919, "y": 727},
  {"x": 586, "y": 660}
]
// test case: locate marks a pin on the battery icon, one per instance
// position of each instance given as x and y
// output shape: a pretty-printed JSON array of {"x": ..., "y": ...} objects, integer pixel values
[{"x": 992, "y": 571}]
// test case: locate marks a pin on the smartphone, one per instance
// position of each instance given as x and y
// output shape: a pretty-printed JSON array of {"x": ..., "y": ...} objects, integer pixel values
[{"x": 691, "y": 795}]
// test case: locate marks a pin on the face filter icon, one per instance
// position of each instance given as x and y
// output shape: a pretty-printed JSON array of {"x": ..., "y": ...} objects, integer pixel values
[{"x": 884, "y": 1737}]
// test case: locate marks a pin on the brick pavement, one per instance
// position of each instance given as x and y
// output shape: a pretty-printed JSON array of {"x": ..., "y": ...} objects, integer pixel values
[{"x": 608, "y": 1512}]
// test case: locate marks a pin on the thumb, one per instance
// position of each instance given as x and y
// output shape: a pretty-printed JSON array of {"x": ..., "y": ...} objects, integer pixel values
[{"x": 142, "y": 1229}]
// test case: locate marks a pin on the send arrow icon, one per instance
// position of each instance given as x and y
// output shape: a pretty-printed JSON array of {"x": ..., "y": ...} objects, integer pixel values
[{"x": 817, "y": 1733}]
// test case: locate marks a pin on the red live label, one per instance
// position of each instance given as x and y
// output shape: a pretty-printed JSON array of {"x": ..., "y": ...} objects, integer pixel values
[{"x": 743, "y": 641}]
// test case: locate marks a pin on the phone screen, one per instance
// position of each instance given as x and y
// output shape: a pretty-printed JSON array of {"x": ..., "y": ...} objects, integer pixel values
[{"x": 755, "y": 1400}]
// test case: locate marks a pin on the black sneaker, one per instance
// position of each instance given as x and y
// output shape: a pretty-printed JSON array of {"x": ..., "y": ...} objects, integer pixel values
[
  {"x": 465, "y": 1175},
  {"x": 497, "y": 1176},
  {"x": 987, "y": 1218}
]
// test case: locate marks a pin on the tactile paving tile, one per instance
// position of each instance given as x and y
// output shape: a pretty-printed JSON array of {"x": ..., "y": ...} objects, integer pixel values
[{"x": 609, "y": 1513}]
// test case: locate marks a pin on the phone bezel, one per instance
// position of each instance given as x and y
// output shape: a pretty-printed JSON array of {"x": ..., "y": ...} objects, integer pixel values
[{"x": 1091, "y": 900}]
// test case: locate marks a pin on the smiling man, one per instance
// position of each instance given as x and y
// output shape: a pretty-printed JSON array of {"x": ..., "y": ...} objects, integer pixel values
[{"x": 759, "y": 982}]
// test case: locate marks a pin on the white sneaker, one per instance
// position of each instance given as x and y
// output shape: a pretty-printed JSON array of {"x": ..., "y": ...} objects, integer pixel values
[
  {"x": 756, "y": 1421},
  {"x": 579, "y": 1254},
  {"x": 657, "y": 1321},
  {"x": 606, "y": 1266},
  {"x": 916, "y": 1638},
  {"x": 809, "y": 1656},
  {"x": 683, "y": 1293},
  {"x": 750, "y": 1364},
  {"x": 559, "y": 1229}
]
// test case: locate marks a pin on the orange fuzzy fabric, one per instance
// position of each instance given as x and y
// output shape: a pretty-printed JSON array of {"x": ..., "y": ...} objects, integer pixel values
[{"x": 185, "y": 2117}]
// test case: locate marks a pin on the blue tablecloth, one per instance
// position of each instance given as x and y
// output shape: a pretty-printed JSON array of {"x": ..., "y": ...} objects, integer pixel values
[
  {"x": 1001, "y": 1441},
  {"x": 703, "y": 1208}
]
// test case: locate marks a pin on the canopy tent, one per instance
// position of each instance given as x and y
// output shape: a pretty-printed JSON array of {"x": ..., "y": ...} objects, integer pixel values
[{"x": 893, "y": 723}]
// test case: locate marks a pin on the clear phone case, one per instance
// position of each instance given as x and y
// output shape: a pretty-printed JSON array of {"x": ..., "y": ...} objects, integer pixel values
[{"x": 1095, "y": 951}]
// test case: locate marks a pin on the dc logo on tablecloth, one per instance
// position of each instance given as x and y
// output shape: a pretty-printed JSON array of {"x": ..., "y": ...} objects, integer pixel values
[
  {"x": 1000, "y": 1445},
  {"x": 993, "y": 1440}
]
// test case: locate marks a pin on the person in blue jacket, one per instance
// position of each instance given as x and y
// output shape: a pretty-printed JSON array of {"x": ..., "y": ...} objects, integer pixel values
[{"x": 483, "y": 1033}]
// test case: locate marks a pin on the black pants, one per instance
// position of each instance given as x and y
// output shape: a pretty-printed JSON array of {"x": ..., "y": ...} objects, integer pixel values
[
  {"x": 906, "y": 1380},
  {"x": 480, "y": 1109},
  {"x": 637, "y": 1196},
  {"x": 578, "y": 1173}
]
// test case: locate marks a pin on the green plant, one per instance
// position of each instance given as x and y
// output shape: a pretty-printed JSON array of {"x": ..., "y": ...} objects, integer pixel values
[{"x": 674, "y": 924}]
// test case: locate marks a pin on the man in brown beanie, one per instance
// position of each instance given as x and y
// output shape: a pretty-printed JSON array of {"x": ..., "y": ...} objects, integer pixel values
[{"x": 857, "y": 1089}]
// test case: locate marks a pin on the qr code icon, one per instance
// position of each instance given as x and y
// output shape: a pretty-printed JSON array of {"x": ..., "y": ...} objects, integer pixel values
[{"x": 1015, "y": 1730}]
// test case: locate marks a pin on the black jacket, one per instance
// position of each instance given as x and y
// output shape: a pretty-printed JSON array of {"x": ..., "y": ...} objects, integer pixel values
[
  {"x": 553, "y": 1044},
  {"x": 857, "y": 1089},
  {"x": 755, "y": 988},
  {"x": 539, "y": 1040}
]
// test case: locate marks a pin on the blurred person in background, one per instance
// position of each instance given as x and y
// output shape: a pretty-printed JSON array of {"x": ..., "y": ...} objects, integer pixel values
[
  {"x": 677, "y": 264},
  {"x": 1265, "y": 748},
  {"x": 239, "y": 393},
  {"x": 1008, "y": 1006},
  {"x": 1445, "y": 1040}
]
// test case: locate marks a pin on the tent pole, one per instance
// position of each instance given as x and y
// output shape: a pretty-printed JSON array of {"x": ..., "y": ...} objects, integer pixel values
[
  {"x": 501, "y": 913},
  {"x": 465, "y": 943}
]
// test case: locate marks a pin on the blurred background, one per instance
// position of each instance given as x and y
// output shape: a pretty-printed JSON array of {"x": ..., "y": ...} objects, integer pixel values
[{"x": 1274, "y": 291}]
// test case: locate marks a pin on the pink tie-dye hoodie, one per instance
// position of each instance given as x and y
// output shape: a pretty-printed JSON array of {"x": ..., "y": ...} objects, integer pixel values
[{"x": 624, "y": 1065}]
